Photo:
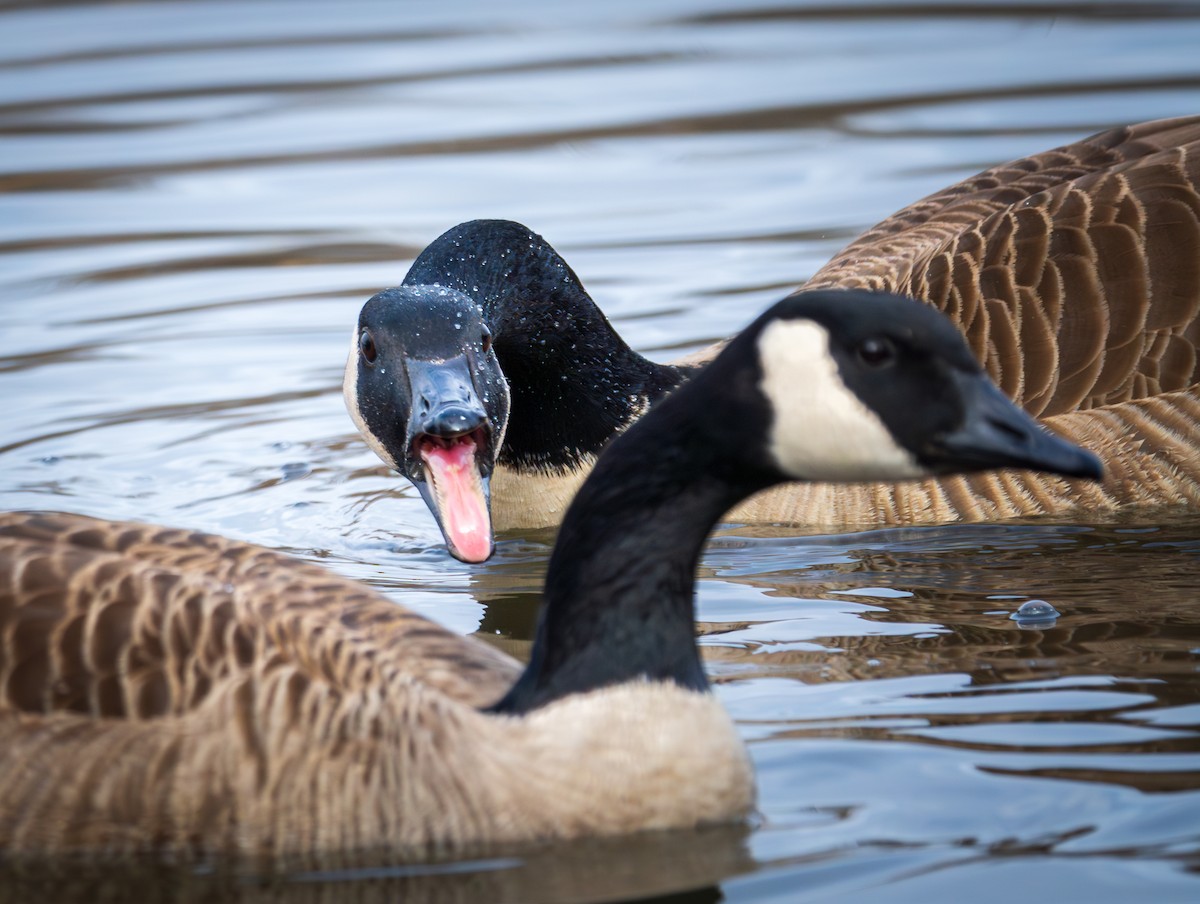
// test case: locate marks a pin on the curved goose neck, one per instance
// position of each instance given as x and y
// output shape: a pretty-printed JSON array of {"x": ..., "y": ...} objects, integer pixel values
[
  {"x": 573, "y": 382},
  {"x": 619, "y": 590}
]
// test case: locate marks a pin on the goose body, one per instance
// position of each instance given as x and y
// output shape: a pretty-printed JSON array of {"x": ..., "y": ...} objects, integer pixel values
[
  {"x": 1073, "y": 273},
  {"x": 169, "y": 692}
]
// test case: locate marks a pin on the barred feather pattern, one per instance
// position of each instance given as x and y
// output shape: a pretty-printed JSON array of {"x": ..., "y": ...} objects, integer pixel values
[
  {"x": 167, "y": 691},
  {"x": 1075, "y": 276}
]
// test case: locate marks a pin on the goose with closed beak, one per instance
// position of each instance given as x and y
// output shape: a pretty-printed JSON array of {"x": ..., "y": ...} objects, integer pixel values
[
  {"x": 1073, "y": 273},
  {"x": 172, "y": 692}
]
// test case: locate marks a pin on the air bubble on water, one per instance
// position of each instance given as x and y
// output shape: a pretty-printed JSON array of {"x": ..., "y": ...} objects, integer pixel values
[
  {"x": 1035, "y": 614},
  {"x": 295, "y": 469}
]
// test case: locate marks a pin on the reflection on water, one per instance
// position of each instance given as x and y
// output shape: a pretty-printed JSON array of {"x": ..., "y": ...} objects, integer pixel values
[
  {"x": 582, "y": 871},
  {"x": 196, "y": 197}
]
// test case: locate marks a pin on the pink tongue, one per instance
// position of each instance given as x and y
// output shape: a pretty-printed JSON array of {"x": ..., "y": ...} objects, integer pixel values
[{"x": 459, "y": 493}]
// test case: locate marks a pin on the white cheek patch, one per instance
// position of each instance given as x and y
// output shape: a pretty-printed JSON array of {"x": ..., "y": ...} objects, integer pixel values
[
  {"x": 350, "y": 394},
  {"x": 821, "y": 429}
]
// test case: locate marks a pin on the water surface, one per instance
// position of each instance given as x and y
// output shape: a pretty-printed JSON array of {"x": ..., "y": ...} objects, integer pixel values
[{"x": 196, "y": 197}]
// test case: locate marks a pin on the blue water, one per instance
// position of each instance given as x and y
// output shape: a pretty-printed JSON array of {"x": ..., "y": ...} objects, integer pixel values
[{"x": 196, "y": 197}]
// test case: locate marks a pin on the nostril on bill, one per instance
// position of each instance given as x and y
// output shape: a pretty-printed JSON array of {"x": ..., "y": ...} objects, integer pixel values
[{"x": 1014, "y": 433}]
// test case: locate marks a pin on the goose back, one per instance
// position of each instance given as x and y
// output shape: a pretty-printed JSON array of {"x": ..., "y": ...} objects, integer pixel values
[
  {"x": 1073, "y": 273},
  {"x": 1075, "y": 276}
]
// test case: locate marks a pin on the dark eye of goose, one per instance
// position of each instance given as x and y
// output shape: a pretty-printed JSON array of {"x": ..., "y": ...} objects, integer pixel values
[
  {"x": 876, "y": 351},
  {"x": 486, "y": 341},
  {"x": 366, "y": 345}
]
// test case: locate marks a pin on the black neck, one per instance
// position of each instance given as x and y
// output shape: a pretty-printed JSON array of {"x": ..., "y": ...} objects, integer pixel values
[
  {"x": 619, "y": 589},
  {"x": 573, "y": 382}
]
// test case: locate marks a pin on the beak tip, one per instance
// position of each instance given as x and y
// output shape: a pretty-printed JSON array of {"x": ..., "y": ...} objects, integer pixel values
[
  {"x": 475, "y": 557},
  {"x": 1090, "y": 466}
]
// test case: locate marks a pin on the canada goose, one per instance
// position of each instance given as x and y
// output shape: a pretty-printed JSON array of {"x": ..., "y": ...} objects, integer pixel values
[
  {"x": 167, "y": 691},
  {"x": 1074, "y": 273}
]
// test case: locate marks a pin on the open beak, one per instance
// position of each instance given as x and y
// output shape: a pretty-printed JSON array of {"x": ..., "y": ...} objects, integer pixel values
[
  {"x": 450, "y": 455},
  {"x": 995, "y": 433}
]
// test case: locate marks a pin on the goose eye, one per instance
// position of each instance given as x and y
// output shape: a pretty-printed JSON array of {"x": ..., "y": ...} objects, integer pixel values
[
  {"x": 486, "y": 341},
  {"x": 366, "y": 345},
  {"x": 876, "y": 352}
]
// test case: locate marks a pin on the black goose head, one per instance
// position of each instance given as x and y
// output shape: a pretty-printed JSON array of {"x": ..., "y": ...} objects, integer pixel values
[
  {"x": 868, "y": 386},
  {"x": 425, "y": 390},
  {"x": 568, "y": 385},
  {"x": 573, "y": 382}
]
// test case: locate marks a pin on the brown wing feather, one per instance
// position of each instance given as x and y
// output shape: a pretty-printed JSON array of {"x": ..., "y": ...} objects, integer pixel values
[
  {"x": 171, "y": 690},
  {"x": 135, "y": 621},
  {"x": 1075, "y": 273},
  {"x": 1075, "y": 276}
]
